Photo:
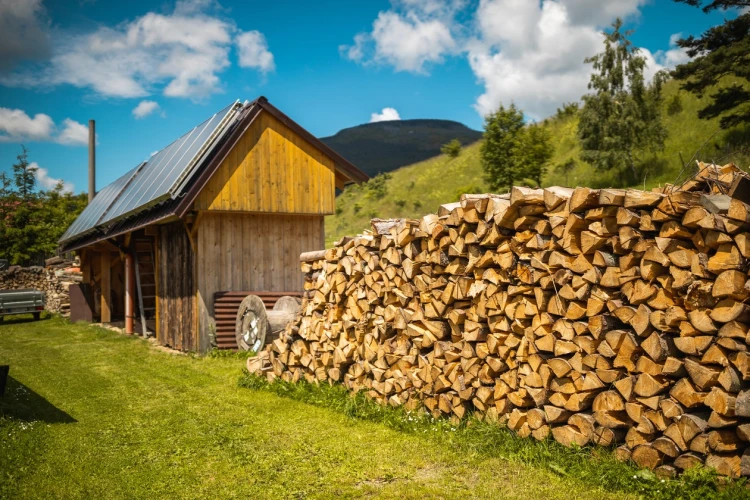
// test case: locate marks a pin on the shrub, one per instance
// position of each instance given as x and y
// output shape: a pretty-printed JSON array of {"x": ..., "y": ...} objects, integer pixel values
[
  {"x": 675, "y": 105},
  {"x": 452, "y": 148}
]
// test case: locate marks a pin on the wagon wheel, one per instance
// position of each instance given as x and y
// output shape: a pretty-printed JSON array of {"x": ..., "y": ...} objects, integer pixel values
[{"x": 252, "y": 324}]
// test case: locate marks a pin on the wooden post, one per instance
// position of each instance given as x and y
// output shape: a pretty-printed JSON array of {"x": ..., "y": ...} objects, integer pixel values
[
  {"x": 106, "y": 284},
  {"x": 129, "y": 293}
]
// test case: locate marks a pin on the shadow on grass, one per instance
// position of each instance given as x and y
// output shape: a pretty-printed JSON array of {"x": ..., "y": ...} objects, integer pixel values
[
  {"x": 22, "y": 403},
  {"x": 18, "y": 319}
]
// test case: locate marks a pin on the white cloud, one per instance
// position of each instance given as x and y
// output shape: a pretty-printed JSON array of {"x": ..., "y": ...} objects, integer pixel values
[
  {"x": 674, "y": 56},
  {"x": 253, "y": 51},
  {"x": 23, "y": 32},
  {"x": 387, "y": 114},
  {"x": 73, "y": 133},
  {"x": 46, "y": 182},
  {"x": 539, "y": 65},
  {"x": 355, "y": 52},
  {"x": 410, "y": 41},
  {"x": 182, "y": 53},
  {"x": 16, "y": 126},
  {"x": 601, "y": 12},
  {"x": 145, "y": 108},
  {"x": 523, "y": 51}
]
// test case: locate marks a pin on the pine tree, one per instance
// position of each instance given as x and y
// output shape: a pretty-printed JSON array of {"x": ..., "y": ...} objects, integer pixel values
[
  {"x": 620, "y": 121},
  {"x": 5, "y": 185},
  {"x": 24, "y": 175},
  {"x": 721, "y": 51},
  {"x": 500, "y": 152},
  {"x": 536, "y": 152}
]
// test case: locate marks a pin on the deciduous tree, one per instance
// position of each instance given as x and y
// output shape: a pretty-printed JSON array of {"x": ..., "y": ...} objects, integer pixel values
[
  {"x": 536, "y": 152},
  {"x": 501, "y": 149}
]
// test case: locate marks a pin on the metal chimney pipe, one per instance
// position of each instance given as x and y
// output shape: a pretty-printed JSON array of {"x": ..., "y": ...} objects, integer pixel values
[{"x": 92, "y": 160}]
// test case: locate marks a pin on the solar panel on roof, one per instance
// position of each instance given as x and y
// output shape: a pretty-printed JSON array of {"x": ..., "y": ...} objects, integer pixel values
[
  {"x": 156, "y": 180},
  {"x": 93, "y": 211}
]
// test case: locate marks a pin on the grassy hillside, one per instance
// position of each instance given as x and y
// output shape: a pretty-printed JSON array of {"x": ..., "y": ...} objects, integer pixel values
[
  {"x": 386, "y": 146},
  {"x": 407, "y": 192},
  {"x": 687, "y": 134},
  {"x": 418, "y": 189}
]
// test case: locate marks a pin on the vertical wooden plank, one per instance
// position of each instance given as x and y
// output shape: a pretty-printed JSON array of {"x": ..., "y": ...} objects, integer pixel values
[
  {"x": 291, "y": 196},
  {"x": 250, "y": 167},
  {"x": 263, "y": 256},
  {"x": 246, "y": 277},
  {"x": 287, "y": 242},
  {"x": 203, "y": 239},
  {"x": 106, "y": 286},
  {"x": 157, "y": 281},
  {"x": 275, "y": 171},
  {"x": 236, "y": 272}
]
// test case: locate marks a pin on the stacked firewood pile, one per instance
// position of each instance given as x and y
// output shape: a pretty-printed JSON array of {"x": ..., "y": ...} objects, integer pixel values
[
  {"x": 54, "y": 281},
  {"x": 588, "y": 316}
]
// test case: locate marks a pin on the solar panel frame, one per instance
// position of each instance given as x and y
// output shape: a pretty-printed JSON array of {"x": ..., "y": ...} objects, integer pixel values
[
  {"x": 127, "y": 196},
  {"x": 156, "y": 181},
  {"x": 90, "y": 216}
]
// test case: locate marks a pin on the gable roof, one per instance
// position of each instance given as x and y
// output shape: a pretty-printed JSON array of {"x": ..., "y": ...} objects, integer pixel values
[{"x": 166, "y": 185}]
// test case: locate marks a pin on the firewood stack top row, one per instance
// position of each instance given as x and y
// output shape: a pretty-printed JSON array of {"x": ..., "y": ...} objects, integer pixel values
[
  {"x": 589, "y": 316},
  {"x": 54, "y": 281}
]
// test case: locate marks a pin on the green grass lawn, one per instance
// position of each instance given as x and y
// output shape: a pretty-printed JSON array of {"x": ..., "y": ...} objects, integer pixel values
[
  {"x": 93, "y": 414},
  {"x": 90, "y": 413}
]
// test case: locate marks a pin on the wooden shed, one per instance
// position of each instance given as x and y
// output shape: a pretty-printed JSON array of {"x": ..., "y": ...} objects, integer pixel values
[{"x": 223, "y": 211}]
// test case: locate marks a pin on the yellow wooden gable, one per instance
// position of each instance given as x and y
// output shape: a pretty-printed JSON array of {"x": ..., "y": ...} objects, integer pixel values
[{"x": 271, "y": 170}]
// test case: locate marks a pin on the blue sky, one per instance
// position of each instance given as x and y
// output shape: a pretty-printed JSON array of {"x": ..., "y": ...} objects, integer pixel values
[{"x": 147, "y": 71}]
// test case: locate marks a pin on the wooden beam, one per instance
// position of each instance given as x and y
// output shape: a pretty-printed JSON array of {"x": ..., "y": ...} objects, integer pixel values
[
  {"x": 196, "y": 223},
  {"x": 86, "y": 265},
  {"x": 189, "y": 232},
  {"x": 106, "y": 284},
  {"x": 157, "y": 276}
]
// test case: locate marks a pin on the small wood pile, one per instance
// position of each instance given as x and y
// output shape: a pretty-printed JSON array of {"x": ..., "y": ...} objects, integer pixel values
[
  {"x": 588, "y": 316},
  {"x": 54, "y": 281}
]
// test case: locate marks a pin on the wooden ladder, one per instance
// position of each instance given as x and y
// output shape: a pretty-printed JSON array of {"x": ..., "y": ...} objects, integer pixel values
[{"x": 145, "y": 280}]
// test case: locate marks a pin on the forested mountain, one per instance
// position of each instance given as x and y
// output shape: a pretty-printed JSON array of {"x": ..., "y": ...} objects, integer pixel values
[{"x": 385, "y": 146}]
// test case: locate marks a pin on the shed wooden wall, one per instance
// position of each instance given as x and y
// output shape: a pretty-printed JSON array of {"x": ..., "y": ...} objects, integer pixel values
[
  {"x": 250, "y": 252},
  {"x": 176, "y": 314},
  {"x": 271, "y": 169}
]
